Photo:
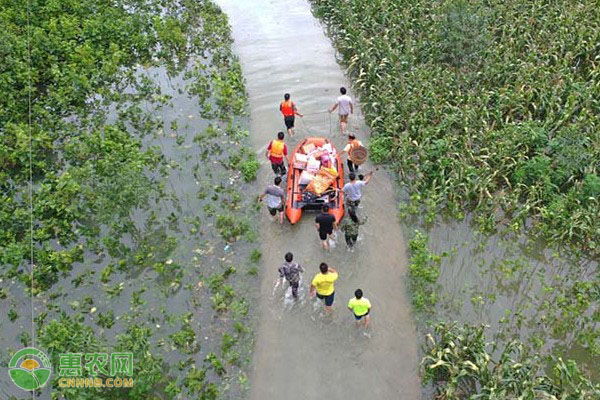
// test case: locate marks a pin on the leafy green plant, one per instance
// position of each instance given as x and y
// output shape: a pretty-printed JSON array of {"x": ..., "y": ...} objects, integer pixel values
[
  {"x": 215, "y": 363},
  {"x": 460, "y": 364},
  {"x": 196, "y": 382},
  {"x": 106, "y": 320},
  {"x": 424, "y": 270},
  {"x": 255, "y": 256},
  {"x": 230, "y": 227},
  {"x": 185, "y": 340},
  {"x": 250, "y": 167},
  {"x": 12, "y": 315}
]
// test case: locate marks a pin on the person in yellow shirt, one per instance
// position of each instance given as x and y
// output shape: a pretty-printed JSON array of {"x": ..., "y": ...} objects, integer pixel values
[
  {"x": 361, "y": 307},
  {"x": 322, "y": 284}
]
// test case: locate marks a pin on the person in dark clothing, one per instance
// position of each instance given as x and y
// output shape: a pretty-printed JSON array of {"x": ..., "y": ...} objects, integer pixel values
[
  {"x": 325, "y": 223},
  {"x": 291, "y": 272}
]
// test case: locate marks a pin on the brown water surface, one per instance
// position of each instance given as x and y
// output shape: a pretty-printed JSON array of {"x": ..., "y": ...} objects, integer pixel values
[{"x": 300, "y": 354}]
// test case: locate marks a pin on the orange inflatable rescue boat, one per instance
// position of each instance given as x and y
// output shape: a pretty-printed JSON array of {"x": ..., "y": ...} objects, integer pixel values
[{"x": 315, "y": 178}]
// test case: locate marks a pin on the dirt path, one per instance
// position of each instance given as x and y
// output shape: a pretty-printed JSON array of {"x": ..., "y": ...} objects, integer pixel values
[{"x": 299, "y": 354}]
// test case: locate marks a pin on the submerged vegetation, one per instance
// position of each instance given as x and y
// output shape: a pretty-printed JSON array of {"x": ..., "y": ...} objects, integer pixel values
[
  {"x": 488, "y": 112},
  {"x": 467, "y": 366},
  {"x": 136, "y": 117},
  {"x": 424, "y": 271}
]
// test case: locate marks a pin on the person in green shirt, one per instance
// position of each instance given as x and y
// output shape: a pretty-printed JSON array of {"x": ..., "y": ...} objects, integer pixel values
[
  {"x": 350, "y": 228},
  {"x": 361, "y": 307}
]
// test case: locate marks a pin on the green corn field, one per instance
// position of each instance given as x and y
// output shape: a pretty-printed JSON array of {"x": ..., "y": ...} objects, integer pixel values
[{"x": 485, "y": 105}]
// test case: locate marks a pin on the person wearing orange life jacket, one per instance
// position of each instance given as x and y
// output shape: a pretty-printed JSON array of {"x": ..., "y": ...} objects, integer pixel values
[
  {"x": 276, "y": 153},
  {"x": 352, "y": 143},
  {"x": 289, "y": 111}
]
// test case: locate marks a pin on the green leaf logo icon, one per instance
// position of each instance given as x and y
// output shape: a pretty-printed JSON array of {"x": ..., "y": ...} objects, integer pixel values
[{"x": 26, "y": 371}]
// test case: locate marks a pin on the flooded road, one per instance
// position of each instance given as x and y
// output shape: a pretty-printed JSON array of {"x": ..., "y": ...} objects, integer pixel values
[{"x": 300, "y": 354}]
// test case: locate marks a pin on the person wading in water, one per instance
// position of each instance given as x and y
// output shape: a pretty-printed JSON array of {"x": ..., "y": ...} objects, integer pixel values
[
  {"x": 361, "y": 308},
  {"x": 325, "y": 223},
  {"x": 289, "y": 111},
  {"x": 322, "y": 284},
  {"x": 276, "y": 152},
  {"x": 350, "y": 228},
  {"x": 291, "y": 271},
  {"x": 353, "y": 191},
  {"x": 275, "y": 199},
  {"x": 352, "y": 144},
  {"x": 345, "y": 108}
]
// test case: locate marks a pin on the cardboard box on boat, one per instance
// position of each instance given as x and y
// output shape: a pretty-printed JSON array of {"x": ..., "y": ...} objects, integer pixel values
[
  {"x": 300, "y": 161},
  {"x": 301, "y": 157},
  {"x": 319, "y": 153},
  {"x": 307, "y": 148},
  {"x": 313, "y": 165},
  {"x": 306, "y": 177},
  {"x": 319, "y": 184}
]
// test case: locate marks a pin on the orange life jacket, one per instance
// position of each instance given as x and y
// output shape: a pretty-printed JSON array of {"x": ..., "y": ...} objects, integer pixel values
[
  {"x": 354, "y": 143},
  {"x": 287, "y": 108},
  {"x": 277, "y": 148}
]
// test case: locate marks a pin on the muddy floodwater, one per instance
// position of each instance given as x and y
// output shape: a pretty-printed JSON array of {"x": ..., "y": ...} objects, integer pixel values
[
  {"x": 300, "y": 354},
  {"x": 522, "y": 288}
]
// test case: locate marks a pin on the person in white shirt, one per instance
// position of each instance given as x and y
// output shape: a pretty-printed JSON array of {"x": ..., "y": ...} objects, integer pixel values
[
  {"x": 345, "y": 108},
  {"x": 353, "y": 191}
]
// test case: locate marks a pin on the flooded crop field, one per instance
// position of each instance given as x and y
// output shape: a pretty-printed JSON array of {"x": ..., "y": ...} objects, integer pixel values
[
  {"x": 143, "y": 236},
  {"x": 132, "y": 154},
  {"x": 519, "y": 288}
]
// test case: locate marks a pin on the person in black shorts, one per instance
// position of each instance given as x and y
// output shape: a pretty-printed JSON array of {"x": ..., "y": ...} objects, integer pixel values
[
  {"x": 275, "y": 199},
  {"x": 325, "y": 223},
  {"x": 289, "y": 111}
]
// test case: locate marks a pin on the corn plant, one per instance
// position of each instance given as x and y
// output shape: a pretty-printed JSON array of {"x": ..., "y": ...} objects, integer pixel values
[
  {"x": 486, "y": 106},
  {"x": 462, "y": 365}
]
